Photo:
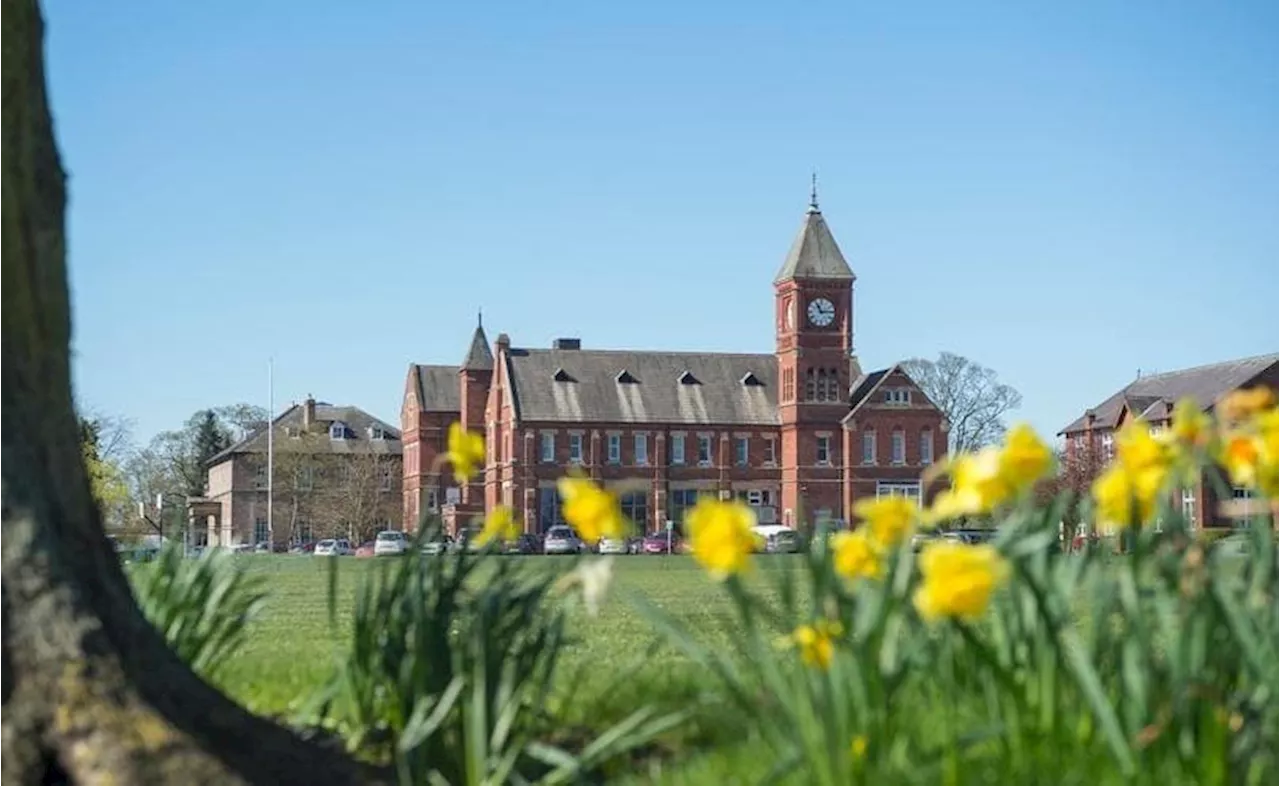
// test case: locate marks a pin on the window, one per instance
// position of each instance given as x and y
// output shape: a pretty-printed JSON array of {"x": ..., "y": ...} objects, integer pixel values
[
  {"x": 548, "y": 448},
  {"x": 926, "y": 447},
  {"x": 387, "y": 478},
  {"x": 1189, "y": 505},
  {"x": 677, "y": 448},
  {"x": 260, "y": 477},
  {"x": 260, "y": 533},
  {"x": 822, "y": 385},
  {"x": 1108, "y": 446},
  {"x": 898, "y": 448},
  {"x": 868, "y": 447},
  {"x": 810, "y": 386},
  {"x": 909, "y": 489},
  {"x": 897, "y": 396},
  {"x": 743, "y": 451},
  {"x": 432, "y": 500},
  {"x": 338, "y": 430},
  {"x": 1241, "y": 492},
  {"x": 575, "y": 448},
  {"x": 679, "y": 501},
  {"x": 635, "y": 506},
  {"x": 704, "y": 450},
  {"x": 304, "y": 479},
  {"x": 770, "y": 451},
  {"x": 642, "y": 449},
  {"x": 377, "y": 432},
  {"x": 824, "y": 451},
  {"x": 303, "y": 529},
  {"x": 615, "y": 448}
]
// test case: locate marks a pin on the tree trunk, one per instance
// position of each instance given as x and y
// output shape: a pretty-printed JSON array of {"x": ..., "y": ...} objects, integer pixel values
[{"x": 91, "y": 693}]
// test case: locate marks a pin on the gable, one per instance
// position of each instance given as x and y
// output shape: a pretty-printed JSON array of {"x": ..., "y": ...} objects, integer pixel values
[
  {"x": 439, "y": 389},
  {"x": 889, "y": 389}
]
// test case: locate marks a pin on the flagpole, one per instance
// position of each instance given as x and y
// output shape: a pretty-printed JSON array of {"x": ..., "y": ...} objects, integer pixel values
[{"x": 271, "y": 450}]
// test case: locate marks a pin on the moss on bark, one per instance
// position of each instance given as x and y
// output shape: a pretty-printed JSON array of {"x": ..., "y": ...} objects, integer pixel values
[{"x": 91, "y": 692}]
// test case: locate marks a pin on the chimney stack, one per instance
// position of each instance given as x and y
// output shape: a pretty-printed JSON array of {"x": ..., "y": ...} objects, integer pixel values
[{"x": 308, "y": 412}]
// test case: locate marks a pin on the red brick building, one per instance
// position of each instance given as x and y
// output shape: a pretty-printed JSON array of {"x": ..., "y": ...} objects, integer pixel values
[
  {"x": 1090, "y": 437},
  {"x": 800, "y": 434}
]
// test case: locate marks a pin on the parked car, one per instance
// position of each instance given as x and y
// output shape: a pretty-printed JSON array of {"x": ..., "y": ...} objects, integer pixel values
[
  {"x": 437, "y": 543},
  {"x": 523, "y": 544},
  {"x": 464, "y": 539},
  {"x": 390, "y": 543},
  {"x": 365, "y": 549},
  {"x": 785, "y": 541},
  {"x": 262, "y": 548},
  {"x": 561, "y": 540},
  {"x": 661, "y": 543},
  {"x": 333, "y": 547},
  {"x": 614, "y": 546}
]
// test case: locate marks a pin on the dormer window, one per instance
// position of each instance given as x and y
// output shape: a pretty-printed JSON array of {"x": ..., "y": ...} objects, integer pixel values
[
  {"x": 377, "y": 432},
  {"x": 897, "y": 396},
  {"x": 338, "y": 431},
  {"x": 687, "y": 378},
  {"x": 751, "y": 380},
  {"x": 626, "y": 378},
  {"x": 563, "y": 376}
]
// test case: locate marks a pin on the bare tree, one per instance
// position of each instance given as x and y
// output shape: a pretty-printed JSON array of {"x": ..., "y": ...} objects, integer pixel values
[
  {"x": 974, "y": 401},
  {"x": 92, "y": 694},
  {"x": 242, "y": 419},
  {"x": 359, "y": 494}
]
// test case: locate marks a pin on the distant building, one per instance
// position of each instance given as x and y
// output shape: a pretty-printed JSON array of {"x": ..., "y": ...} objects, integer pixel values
[
  {"x": 799, "y": 434},
  {"x": 1090, "y": 437},
  {"x": 337, "y": 472}
]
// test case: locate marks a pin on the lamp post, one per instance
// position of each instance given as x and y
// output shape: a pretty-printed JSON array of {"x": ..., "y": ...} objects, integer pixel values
[{"x": 158, "y": 522}]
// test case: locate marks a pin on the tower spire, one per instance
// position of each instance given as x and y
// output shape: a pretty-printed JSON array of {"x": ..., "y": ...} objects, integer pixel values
[
  {"x": 813, "y": 192},
  {"x": 480, "y": 318}
]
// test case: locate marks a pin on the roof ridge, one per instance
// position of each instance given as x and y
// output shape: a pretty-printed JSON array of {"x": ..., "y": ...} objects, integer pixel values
[
  {"x": 1203, "y": 366},
  {"x": 691, "y": 353}
]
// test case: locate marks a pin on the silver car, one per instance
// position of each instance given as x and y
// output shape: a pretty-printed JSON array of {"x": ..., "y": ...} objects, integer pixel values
[{"x": 561, "y": 540}]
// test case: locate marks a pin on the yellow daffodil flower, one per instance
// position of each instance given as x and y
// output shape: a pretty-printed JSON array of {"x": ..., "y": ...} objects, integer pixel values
[
  {"x": 1192, "y": 427},
  {"x": 499, "y": 525},
  {"x": 815, "y": 643},
  {"x": 721, "y": 536},
  {"x": 958, "y": 580},
  {"x": 855, "y": 556},
  {"x": 1024, "y": 459},
  {"x": 977, "y": 486},
  {"x": 890, "y": 519},
  {"x": 592, "y": 511},
  {"x": 1240, "y": 405},
  {"x": 465, "y": 452}
]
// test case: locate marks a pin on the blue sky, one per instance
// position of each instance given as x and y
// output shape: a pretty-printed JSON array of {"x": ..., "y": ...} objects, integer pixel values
[{"x": 1066, "y": 192}]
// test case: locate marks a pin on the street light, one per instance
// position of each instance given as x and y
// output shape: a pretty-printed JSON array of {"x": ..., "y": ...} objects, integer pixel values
[{"x": 158, "y": 523}]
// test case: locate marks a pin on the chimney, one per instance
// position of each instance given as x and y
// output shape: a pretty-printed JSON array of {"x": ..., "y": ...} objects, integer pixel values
[
  {"x": 567, "y": 343},
  {"x": 503, "y": 343},
  {"x": 308, "y": 412}
]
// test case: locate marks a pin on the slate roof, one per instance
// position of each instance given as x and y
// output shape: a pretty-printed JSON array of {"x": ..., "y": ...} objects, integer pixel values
[
  {"x": 479, "y": 356},
  {"x": 357, "y": 439},
  {"x": 715, "y": 389},
  {"x": 814, "y": 253},
  {"x": 438, "y": 388},
  {"x": 1149, "y": 395}
]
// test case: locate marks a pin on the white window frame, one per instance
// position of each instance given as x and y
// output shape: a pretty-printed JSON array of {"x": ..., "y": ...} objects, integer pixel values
[
  {"x": 770, "y": 451},
  {"x": 641, "y": 449},
  {"x": 869, "y": 448},
  {"x": 260, "y": 524},
  {"x": 677, "y": 449},
  {"x": 898, "y": 448},
  {"x": 575, "y": 449},
  {"x": 547, "y": 450},
  {"x": 305, "y": 478},
  {"x": 898, "y": 488},
  {"x": 822, "y": 451},
  {"x": 742, "y": 451},
  {"x": 704, "y": 441},
  {"x": 432, "y": 500},
  {"x": 377, "y": 433},
  {"x": 898, "y": 397},
  {"x": 337, "y": 431},
  {"x": 387, "y": 478},
  {"x": 615, "y": 448},
  {"x": 926, "y": 447},
  {"x": 260, "y": 478},
  {"x": 1189, "y": 505},
  {"x": 1108, "y": 446}
]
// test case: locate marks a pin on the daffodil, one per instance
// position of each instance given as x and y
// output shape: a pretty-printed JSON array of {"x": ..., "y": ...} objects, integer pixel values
[
  {"x": 815, "y": 643},
  {"x": 1024, "y": 459},
  {"x": 721, "y": 536},
  {"x": 958, "y": 580},
  {"x": 1192, "y": 427},
  {"x": 1240, "y": 405},
  {"x": 465, "y": 452},
  {"x": 855, "y": 556},
  {"x": 594, "y": 512},
  {"x": 977, "y": 486},
  {"x": 499, "y": 525},
  {"x": 890, "y": 519},
  {"x": 1138, "y": 449}
]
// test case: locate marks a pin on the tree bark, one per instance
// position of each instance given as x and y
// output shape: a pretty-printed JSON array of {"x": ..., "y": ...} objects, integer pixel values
[{"x": 91, "y": 693}]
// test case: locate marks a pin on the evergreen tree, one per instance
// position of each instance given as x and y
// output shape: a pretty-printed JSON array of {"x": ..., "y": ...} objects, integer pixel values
[{"x": 211, "y": 437}]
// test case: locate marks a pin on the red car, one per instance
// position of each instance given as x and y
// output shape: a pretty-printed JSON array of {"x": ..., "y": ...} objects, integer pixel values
[{"x": 658, "y": 543}]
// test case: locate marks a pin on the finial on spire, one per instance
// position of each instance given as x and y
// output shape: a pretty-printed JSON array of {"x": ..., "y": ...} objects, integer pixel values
[
  {"x": 813, "y": 192},
  {"x": 479, "y": 317}
]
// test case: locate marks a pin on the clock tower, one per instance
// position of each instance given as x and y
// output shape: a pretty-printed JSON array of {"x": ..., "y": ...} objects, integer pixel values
[{"x": 813, "y": 296}]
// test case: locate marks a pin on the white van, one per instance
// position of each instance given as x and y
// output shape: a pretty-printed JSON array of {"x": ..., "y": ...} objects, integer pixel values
[{"x": 390, "y": 543}]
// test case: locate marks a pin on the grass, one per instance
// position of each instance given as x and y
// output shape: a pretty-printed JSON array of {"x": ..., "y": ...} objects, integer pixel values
[{"x": 615, "y": 664}]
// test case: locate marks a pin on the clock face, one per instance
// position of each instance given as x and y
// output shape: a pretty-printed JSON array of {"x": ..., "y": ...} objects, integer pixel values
[{"x": 821, "y": 312}]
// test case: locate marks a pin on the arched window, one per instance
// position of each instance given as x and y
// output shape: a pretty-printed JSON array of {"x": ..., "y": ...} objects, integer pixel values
[
  {"x": 822, "y": 385},
  {"x": 810, "y": 386},
  {"x": 833, "y": 385}
]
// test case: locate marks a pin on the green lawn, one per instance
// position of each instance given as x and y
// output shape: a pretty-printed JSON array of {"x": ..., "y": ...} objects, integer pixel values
[{"x": 614, "y": 665}]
